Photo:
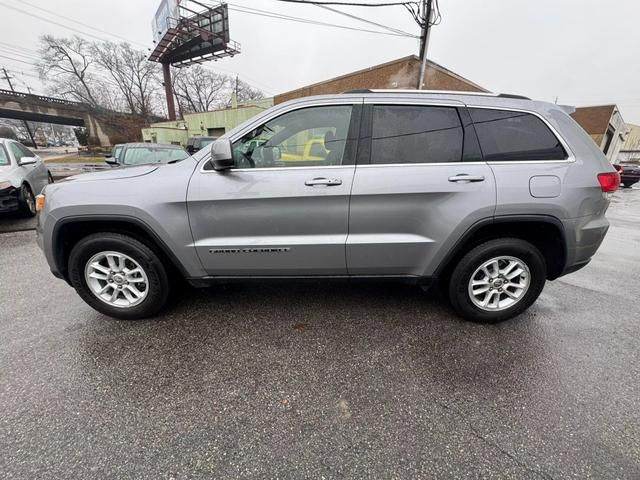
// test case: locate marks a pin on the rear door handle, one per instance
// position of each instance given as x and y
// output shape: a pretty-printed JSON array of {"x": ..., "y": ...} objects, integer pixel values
[
  {"x": 321, "y": 181},
  {"x": 464, "y": 178}
]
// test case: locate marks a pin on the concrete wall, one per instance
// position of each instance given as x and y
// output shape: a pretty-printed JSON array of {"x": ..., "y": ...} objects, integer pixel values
[
  {"x": 632, "y": 140},
  {"x": 401, "y": 74},
  {"x": 201, "y": 124}
]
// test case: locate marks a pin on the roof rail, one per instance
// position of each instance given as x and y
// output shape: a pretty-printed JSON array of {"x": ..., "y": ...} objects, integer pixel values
[{"x": 439, "y": 92}]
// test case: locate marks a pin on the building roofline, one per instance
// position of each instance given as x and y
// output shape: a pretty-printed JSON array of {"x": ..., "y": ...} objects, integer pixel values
[{"x": 431, "y": 63}]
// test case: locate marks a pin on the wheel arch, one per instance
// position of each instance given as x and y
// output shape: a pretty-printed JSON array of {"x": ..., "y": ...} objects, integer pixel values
[
  {"x": 545, "y": 232},
  {"x": 69, "y": 231}
]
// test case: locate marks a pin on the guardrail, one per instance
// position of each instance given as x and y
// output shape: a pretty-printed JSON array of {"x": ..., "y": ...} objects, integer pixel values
[{"x": 40, "y": 98}]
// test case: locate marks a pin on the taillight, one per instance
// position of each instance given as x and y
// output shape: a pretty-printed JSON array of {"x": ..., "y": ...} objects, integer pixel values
[{"x": 609, "y": 181}]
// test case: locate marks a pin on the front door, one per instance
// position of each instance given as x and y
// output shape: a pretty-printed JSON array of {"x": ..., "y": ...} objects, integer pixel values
[
  {"x": 283, "y": 210},
  {"x": 420, "y": 186}
]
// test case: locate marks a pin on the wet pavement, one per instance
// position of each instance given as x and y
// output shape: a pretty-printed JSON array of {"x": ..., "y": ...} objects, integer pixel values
[{"x": 315, "y": 380}]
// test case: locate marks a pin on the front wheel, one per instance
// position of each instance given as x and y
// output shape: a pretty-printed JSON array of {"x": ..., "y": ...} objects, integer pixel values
[
  {"x": 26, "y": 201},
  {"x": 497, "y": 280},
  {"x": 119, "y": 276}
]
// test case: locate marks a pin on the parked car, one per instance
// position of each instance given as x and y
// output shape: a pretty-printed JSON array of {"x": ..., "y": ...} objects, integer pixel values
[
  {"x": 116, "y": 154},
  {"x": 22, "y": 176},
  {"x": 489, "y": 195},
  {"x": 195, "y": 144},
  {"x": 143, "y": 153},
  {"x": 629, "y": 173}
]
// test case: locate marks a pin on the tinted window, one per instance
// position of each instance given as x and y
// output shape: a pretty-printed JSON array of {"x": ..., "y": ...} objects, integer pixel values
[
  {"x": 507, "y": 135},
  {"x": 415, "y": 134},
  {"x": 314, "y": 136},
  {"x": 4, "y": 157}
]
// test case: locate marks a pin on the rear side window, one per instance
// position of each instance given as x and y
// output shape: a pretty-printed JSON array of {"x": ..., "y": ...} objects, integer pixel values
[
  {"x": 415, "y": 134},
  {"x": 505, "y": 135}
]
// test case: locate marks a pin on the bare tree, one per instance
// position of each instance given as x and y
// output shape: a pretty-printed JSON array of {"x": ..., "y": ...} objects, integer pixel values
[
  {"x": 245, "y": 92},
  {"x": 200, "y": 90},
  {"x": 65, "y": 66},
  {"x": 134, "y": 76}
]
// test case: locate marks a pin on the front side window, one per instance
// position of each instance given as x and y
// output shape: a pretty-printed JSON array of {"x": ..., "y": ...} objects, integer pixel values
[
  {"x": 16, "y": 151},
  {"x": 4, "y": 157},
  {"x": 513, "y": 136},
  {"x": 25, "y": 151},
  {"x": 315, "y": 136},
  {"x": 415, "y": 134}
]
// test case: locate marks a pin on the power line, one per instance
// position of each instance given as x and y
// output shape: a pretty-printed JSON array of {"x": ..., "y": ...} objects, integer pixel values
[
  {"x": 81, "y": 23},
  {"x": 264, "y": 13},
  {"x": 53, "y": 22},
  {"x": 401, "y": 32},
  {"x": 349, "y": 4}
]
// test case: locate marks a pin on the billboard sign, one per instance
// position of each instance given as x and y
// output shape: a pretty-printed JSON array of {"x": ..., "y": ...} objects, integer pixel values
[
  {"x": 166, "y": 15},
  {"x": 189, "y": 36}
]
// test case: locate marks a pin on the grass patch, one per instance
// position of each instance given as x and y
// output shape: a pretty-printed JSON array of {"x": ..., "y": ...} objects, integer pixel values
[{"x": 76, "y": 159}]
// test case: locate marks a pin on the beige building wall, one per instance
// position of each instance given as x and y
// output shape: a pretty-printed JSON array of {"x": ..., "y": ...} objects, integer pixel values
[{"x": 214, "y": 123}]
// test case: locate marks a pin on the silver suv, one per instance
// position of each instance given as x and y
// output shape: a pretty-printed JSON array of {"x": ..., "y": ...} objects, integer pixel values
[{"x": 491, "y": 195}]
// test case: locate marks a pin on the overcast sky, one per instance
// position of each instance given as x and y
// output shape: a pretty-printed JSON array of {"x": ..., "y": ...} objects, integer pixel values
[{"x": 585, "y": 52}]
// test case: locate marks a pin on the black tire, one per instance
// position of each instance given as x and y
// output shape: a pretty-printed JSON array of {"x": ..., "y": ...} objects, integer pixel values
[
  {"x": 461, "y": 276},
  {"x": 629, "y": 184},
  {"x": 49, "y": 178},
  {"x": 158, "y": 287},
  {"x": 26, "y": 201}
]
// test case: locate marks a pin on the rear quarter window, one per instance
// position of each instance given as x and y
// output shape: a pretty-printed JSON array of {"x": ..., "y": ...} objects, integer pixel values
[{"x": 515, "y": 136}]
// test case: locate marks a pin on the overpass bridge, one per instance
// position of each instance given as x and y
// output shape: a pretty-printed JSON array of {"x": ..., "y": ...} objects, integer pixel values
[{"x": 104, "y": 127}]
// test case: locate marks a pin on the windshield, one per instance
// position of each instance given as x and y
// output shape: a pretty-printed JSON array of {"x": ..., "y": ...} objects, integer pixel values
[
  {"x": 4, "y": 158},
  {"x": 143, "y": 155},
  {"x": 206, "y": 141},
  {"x": 116, "y": 152}
]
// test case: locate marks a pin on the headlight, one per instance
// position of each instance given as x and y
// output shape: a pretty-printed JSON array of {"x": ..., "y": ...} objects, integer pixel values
[{"x": 4, "y": 185}]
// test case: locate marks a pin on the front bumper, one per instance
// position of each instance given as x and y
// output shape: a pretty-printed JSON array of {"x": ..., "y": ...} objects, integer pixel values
[{"x": 8, "y": 200}]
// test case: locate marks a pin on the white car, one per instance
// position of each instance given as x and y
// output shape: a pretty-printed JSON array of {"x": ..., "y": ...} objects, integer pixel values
[{"x": 23, "y": 175}]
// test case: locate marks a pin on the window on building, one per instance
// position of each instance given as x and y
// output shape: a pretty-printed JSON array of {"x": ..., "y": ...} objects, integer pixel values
[
  {"x": 508, "y": 135},
  {"x": 415, "y": 134}
]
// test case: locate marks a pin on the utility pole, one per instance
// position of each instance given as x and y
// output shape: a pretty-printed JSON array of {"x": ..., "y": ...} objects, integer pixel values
[
  {"x": 26, "y": 125},
  {"x": 424, "y": 39}
]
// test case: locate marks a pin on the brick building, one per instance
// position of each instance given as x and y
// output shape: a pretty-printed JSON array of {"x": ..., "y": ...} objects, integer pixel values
[
  {"x": 605, "y": 126},
  {"x": 401, "y": 74}
]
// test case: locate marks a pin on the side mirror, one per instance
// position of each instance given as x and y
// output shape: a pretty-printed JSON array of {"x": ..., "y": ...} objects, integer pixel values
[
  {"x": 112, "y": 161},
  {"x": 28, "y": 161},
  {"x": 222, "y": 155}
]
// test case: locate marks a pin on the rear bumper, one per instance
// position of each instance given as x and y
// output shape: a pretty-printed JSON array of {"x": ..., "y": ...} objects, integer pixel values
[
  {"x": 584, "y": 236},
  {"x": 8, "y": 200}
]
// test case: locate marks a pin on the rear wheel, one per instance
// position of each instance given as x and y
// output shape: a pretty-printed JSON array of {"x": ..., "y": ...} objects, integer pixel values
[
  {"x": 26, "y": 201},
  {"x": 119, "y": 276},
  {"x": 497, "y": 280},
  {"x": 628, "y": 183}
]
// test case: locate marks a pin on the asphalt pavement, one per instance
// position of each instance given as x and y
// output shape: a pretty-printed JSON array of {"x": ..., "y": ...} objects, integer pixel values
[{"x": 317, "y": 380}]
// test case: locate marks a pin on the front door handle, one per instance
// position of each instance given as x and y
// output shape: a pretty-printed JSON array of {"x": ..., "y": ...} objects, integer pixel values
[
  {"x": 323, "y": 182},
  {"x": 464, "y": 178}
]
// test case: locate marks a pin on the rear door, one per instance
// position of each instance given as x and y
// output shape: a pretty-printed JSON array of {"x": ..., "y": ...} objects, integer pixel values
[
  {"x": 420, "y": 183},
  {"x": 279, "y": 212}
]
